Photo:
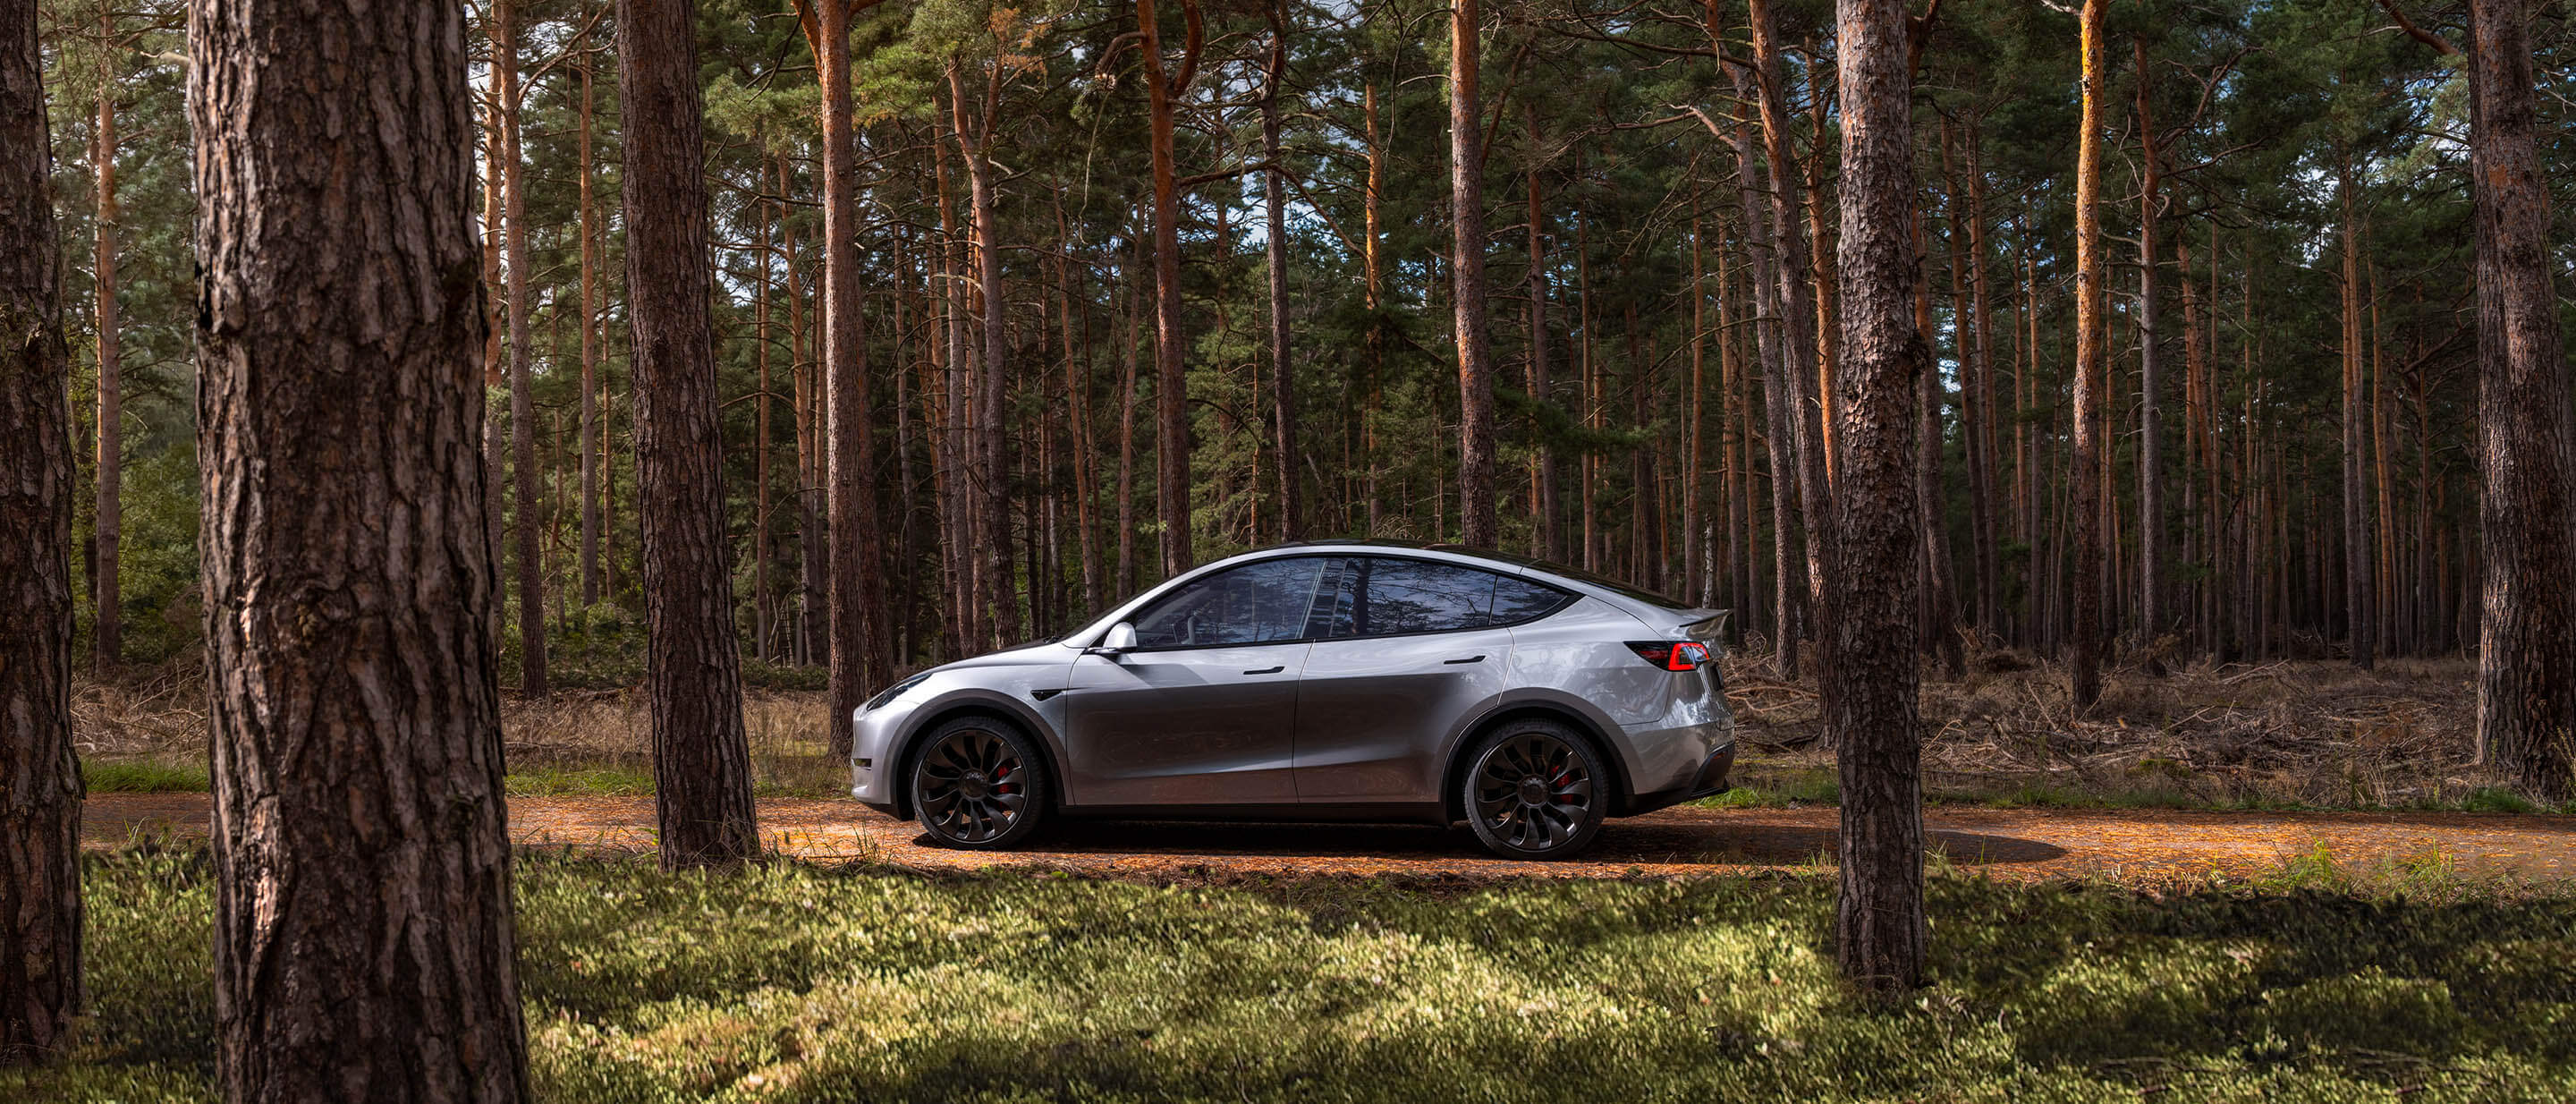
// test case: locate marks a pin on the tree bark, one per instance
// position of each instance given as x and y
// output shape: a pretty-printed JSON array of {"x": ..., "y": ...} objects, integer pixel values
[
  {"x": 2084, "y": 657},
  {"x": 363, "y": 935},
  {"x": 1793, "y": 270},
  {"x": 1984, "y": 501},
  {"x": 107, "y": 639},
  {"x": 2359, "y": 593},
  {"x": 590, "y": 334},
  {"x": 849, "y": 453},
  {"x": 40, "y": 779},
  {"x": 1544, "y": 539},
  {"x": 523, "y": 415},
  {"x": 1780, "y": 410},
  {"x": 1939, "y": 614},
  {"x": 693, "y": 678},
  {"x": 1870, "y": 706},
  {"x": 2152, "y": 545},
  {"x": 761, "y": 609},
  {"x": 991, "y": 482},
  {"x": 2527, "y": 458},
  {"x": 1467, "y": 281},
  {"x": 1171, "y": 372},
  {"x": 1283, "y": 369}
]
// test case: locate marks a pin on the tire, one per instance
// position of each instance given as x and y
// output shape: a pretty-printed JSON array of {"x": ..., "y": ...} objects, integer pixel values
[
  {"x": 1535, "y": 789},
  {"x": 978, "y": 784}
]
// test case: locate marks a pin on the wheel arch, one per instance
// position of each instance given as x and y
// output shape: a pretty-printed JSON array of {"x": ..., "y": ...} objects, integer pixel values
[
  {"x": 1007, "y": 712},
  {"x": 1454, "y": 808}
]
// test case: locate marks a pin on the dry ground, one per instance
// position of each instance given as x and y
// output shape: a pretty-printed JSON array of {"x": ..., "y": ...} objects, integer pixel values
[
  {"x": 2294, "y": 734},
  {"x": 2136, "y": 846}
]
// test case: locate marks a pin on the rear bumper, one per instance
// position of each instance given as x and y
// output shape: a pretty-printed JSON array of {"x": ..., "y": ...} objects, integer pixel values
[{"x": 1711, "y": 778}]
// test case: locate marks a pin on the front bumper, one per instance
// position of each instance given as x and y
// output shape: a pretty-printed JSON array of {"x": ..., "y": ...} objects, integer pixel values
[{"x": 872, "y": 747}]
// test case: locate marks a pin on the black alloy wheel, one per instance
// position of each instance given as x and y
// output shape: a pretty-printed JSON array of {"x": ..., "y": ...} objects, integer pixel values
[
  {"x": 977, "y": 784},
  {"x": 1536, "y": 790}
]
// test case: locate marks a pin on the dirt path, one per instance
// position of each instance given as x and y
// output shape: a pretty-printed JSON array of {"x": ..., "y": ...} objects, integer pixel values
[{"x": 2013, "y": 843}]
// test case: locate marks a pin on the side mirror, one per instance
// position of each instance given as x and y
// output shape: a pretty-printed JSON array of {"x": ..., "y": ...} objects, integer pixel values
[{"x": 1119, "y": 640}]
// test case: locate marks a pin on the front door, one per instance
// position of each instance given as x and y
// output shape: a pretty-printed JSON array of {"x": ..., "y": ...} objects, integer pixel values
[{"x": 1203, "y": 710}]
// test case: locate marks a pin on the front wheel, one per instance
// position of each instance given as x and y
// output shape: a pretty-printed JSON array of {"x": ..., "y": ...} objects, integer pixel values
[
  {"x": 978, "y": 784},
  {"x": 1535, "y": 790}
]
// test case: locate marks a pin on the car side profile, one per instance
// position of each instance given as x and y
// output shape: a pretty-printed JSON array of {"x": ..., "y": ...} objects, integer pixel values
[{"x": 1350, "y": 681}]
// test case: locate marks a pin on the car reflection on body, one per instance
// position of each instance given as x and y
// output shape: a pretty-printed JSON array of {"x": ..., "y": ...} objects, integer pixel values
[{"x": 1352, "y": 681}]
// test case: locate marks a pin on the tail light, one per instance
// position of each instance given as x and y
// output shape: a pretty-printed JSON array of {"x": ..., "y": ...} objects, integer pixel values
[{"x": 1671, "y": 655}]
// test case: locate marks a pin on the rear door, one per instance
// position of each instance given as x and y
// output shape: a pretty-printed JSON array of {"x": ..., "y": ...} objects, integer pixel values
[
  {"x": 1203, "y": 710},
  {"x": 1413, "y": 650}
]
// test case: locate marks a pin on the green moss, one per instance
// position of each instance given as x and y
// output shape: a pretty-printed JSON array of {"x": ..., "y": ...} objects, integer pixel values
[{"x": 794, "y": 982}]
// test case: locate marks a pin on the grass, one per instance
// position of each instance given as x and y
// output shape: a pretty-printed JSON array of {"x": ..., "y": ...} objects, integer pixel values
[
  {"x": 793, "y": 982},
  {"x": 144, "y": 776}
]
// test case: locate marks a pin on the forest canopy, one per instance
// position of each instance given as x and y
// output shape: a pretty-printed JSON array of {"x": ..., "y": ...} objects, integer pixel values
[{"x": 2310, "y": 306}]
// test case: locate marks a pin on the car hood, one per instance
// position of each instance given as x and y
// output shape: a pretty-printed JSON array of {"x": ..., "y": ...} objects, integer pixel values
[{"x": 1040, "y": 653}]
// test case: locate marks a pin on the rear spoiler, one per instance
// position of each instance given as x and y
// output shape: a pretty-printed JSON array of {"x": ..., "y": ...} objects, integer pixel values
[{"x": 1706, "y": 626}]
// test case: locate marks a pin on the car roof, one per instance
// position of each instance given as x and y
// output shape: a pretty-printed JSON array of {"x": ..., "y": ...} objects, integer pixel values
[{"x": 1512, "y": 562}]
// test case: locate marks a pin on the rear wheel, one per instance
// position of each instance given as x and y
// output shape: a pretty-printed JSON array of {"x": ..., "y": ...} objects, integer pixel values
[
  {"x": 1535, "y": 789},
  {"x": 978, "y": 784}
]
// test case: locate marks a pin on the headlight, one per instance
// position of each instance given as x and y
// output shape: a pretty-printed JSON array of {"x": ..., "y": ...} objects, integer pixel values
[{"x": 892, "y": 692}]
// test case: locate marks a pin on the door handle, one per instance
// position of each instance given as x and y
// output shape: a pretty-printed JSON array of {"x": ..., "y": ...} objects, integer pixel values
[
  {"x": 1469, "y": 659},
  {"x": 1268, "y": 670}
]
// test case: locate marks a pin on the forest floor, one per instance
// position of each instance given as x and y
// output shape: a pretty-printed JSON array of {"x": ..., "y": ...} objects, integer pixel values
[
  {"x": 2286, "y": 735},
  {"x": 2139, "y": 847},
  {"x": 2142, "y": 903}
]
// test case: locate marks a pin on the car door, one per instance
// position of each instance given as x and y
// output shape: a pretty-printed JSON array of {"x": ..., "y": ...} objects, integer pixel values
[
  {"x": 1203, "y": 710},
  {"x": 1411, "y": 653}
]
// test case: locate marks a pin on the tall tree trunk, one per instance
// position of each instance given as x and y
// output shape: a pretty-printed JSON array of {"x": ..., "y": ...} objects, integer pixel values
[
  {"x": 1283, "y": 376},
  {"x": 496, "y": 451},
  {"x": 2084, "y": 659},
  {"x": 850, "y": 454},
  {"x": 40, "y": 778},
  {"x": 1543, "y": 534},
  {"x": 1779, "y": 409},
  {"x": 2152, "y": 545},
  {"x": 1372, "y": 269},
  {"x": 1984, "y": 502},
  {"x": 1798, "y": 347},
  {"x": 957, "y": 516},
  {"x": 1000, "y": 594},
  {"x": 813, "y": 536},
  {"x": 1171, "y": 379},
  {"x": 693, "y": 677},
  {"x": 363, "y": 934},
  {"x": 1870, "y": 705},
  {"x": 590, "y": 437},
  {"x": 523, "y": 411},
  {"x": 760, "y": 597},
  {"x": 1699, "y": 583},
  {"x": 1127, "y": 581},
  {"x": 107, "y": 639},
  {"x": 1467, "y": 281},
  {"x": 1939, "y": 614},
  {"x": 2526, "y": 656},
  {"x": 2359, "y": 594}
]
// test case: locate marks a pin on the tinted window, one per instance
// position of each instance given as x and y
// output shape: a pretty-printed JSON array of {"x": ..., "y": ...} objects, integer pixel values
[
  {"x": 1518, "y": 600},
  {"x": 1252, "y": 604},
  {"x": 1382, "y": 597}
]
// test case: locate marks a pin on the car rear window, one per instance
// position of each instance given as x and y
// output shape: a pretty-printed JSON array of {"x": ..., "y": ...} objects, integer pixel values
[{"x": 1392, "y": 596}]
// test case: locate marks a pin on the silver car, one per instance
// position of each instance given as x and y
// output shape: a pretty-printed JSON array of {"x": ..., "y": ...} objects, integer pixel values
[{"x": 1353, "y": 681}]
